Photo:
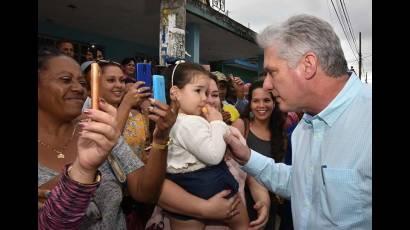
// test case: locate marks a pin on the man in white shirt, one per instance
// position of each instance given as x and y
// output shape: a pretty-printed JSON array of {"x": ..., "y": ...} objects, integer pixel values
[{"x": 330, "y": 179}]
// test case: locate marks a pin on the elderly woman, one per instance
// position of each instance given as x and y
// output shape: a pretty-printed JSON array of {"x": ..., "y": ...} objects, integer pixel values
[{"x": 76, "y": 202}]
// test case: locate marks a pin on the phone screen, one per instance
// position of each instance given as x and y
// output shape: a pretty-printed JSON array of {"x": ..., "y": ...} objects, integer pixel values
[{"x": 159, "y": 88}]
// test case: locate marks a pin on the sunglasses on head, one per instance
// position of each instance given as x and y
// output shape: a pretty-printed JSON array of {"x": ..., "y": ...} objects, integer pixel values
[{"x": 108, "y": 62}]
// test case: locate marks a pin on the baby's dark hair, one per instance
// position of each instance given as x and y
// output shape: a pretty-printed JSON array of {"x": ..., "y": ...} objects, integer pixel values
[{"x": 184, "y": 74}]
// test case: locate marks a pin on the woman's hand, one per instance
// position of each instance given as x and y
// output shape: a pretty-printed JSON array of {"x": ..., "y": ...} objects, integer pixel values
[
  {"x": 219, "y": 208},
  {"x": 164, "y": 117},
  {"x": 238, "y": 85},
  {"x": 262, "y": 209},
  {"x": 262, "y": 203},
  {"x": 136, "y": 94},
  {"x": 211, "y": 114},
  {"x": 96, "y": 139}
]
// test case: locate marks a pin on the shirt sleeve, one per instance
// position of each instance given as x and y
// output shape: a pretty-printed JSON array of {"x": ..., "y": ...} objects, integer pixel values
[
  {"x": 202, "y": 139},
  {"x": 275, "y": 176},
  {"x": 67, "y": 204},
  {"x": 129, "y": 161}
]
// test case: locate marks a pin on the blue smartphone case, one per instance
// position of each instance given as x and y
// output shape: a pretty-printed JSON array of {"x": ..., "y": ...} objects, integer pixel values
[
  {"x": 159, "y": 88},
  {"x": 143, "y": 73}
]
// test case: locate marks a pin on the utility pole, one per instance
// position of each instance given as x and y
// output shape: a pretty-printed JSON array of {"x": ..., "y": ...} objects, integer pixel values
[
  {"x": 172, "y": 30},
  {"x": 365, "y": 80},
  {"x": 360, "y": 55}
]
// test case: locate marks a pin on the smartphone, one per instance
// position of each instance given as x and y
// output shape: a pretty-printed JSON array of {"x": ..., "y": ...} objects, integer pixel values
[
  {"x": 159, "y": 88},
  {"x": 143, "y": 73},
  {"x": 95, "y": 74}
]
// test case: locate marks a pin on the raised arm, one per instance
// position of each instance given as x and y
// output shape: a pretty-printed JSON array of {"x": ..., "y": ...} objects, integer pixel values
[
  {"x": 66, "y": 204},
  {"x": 144, "y": 184},
  {"x": 133, "y": 97},
  {"x": 274, "y": 176},
  {"x": 68, "y": 201}
]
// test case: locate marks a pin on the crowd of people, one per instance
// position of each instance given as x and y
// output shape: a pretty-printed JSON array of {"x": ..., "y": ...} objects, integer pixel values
[{"x": 290, "y": 150}]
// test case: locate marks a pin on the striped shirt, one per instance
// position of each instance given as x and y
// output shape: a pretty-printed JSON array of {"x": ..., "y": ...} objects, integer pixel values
[
  {"x": 66, "y": 206},
  {"x": 330, "y": 180}
]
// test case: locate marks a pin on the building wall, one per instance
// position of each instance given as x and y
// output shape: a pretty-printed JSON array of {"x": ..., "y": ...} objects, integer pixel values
[
  {"x": 244, "y": 74},
  {"x": 115, "y": 49}
]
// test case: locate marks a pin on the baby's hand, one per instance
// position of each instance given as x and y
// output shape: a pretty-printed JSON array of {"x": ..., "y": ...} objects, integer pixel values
[{"x": 211, "y": 114}]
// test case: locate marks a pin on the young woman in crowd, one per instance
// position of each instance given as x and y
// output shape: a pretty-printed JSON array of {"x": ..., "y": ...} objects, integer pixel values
[
  {"x": 266, "y": 134},
  {"x": 259, "y": 193},
  {"x": 132, "y": 117}
]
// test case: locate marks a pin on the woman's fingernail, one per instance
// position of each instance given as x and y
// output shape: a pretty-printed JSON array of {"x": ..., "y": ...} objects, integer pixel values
[
  {"x": 152, "y": 100},
  {"x": 82, "y": 124},
  {"x": 102, "y": 100},
  {"x": 87, "y": 111},
  {"x": 150, "y": 108}
]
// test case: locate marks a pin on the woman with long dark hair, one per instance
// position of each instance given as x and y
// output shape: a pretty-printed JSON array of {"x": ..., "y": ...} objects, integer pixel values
[{"x": 264, "y": 133}]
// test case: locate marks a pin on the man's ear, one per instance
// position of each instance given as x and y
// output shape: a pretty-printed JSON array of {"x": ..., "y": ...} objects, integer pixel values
[
  {"x": 309, "y": 64},
  {"x": 174, "y": 93}
]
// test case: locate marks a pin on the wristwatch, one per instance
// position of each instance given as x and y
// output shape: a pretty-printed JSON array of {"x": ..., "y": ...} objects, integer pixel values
[{"x": 161, "y": 146}]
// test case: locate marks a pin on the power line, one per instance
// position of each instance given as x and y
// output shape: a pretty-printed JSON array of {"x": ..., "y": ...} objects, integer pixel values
[
  {"x": 330, "y": 13},
  {"x": 348, "y": 17},
  {"x": 348, "y": 41},
  {"x": 343, "y": 28},
  {"x": 349, "y": 25},
  {"x": 345, "y": 24},
  {"x": 362, "y": 58}
]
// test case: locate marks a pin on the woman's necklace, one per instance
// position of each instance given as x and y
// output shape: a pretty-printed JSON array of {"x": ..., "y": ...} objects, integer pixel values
[{"x": 60, "y": 153}]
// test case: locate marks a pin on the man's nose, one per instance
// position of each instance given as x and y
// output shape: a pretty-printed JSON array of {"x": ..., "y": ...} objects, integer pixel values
[{"x": 267, "y": 83}]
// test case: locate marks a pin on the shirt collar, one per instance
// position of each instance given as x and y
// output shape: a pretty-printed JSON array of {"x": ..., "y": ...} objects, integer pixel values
[{"x": 330, "y": 114}]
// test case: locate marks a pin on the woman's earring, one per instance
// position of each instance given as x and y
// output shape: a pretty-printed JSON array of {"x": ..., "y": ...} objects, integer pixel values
[{"x": 251, "y": 115}]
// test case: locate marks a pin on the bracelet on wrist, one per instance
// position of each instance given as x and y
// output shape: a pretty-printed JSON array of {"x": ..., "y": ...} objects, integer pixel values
[
  {"x": 161, "y": 146},
  {"x": 97, "y": 177}
]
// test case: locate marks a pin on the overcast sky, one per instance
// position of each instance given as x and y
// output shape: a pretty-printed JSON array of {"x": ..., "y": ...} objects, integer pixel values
[{"x": 260, "y": 13}]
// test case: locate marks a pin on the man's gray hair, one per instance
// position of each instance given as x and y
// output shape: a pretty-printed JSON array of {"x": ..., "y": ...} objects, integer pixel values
[{"x": 301, "y": 34}]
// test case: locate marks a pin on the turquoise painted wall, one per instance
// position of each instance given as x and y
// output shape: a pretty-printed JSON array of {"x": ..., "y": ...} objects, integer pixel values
[
  {"x": 115, "y": 49},
  {"x": 246, "y": 75}
]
